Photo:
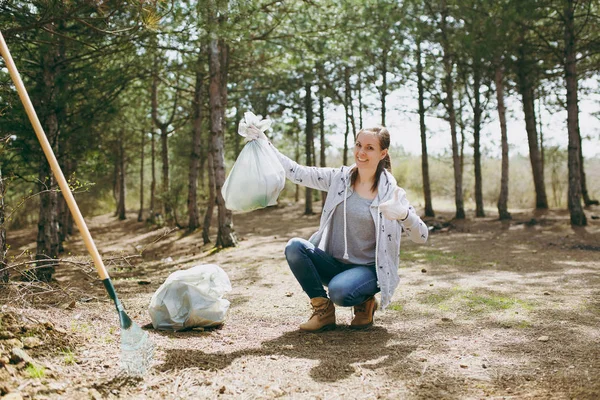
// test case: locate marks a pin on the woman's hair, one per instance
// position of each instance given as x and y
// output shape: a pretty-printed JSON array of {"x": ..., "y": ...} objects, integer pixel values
[{"x": 386, "y": 163}]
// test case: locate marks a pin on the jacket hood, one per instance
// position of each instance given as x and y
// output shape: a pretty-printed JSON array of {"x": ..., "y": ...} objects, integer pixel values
[{"x": 385, "y": 187}]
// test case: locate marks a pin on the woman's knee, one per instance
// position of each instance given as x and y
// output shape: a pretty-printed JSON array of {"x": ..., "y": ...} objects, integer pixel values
[
  {"x": 295, "y": 249},
  {"x": 340, "y": 295}
]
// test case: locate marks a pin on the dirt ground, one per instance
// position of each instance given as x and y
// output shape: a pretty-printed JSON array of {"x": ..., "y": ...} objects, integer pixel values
[{"x": 484, "y": 310}]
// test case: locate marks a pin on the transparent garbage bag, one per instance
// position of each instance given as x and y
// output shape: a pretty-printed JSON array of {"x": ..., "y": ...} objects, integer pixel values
[
  {"x": 257, "y": 177},
  {"x": 191, "y": 298}
]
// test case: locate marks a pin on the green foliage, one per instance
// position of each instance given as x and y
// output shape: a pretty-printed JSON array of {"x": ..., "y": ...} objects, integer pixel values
[
  {"x": 474, "y": 302},
  {"x": 101, "y": 97},
  {"x": 35, "y": 371},
  {"x": 68, "y": 356},
  {"x": 396, "y": 307}
]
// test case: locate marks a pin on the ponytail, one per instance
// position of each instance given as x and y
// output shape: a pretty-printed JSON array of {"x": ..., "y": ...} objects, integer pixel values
[{"x": 386, "y": 162}]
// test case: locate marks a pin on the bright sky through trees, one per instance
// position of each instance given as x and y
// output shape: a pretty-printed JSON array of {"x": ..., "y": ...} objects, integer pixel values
[{"x": 404, "y": 126}]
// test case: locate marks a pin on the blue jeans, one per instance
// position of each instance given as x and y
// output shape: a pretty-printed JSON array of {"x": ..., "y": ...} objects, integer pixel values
[{"x": 348, "y": 284}]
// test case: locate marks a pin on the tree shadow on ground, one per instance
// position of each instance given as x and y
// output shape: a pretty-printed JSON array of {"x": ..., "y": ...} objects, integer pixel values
[
  {"x": 336, "y": 351},
  {"x": 111, "y": 386}
]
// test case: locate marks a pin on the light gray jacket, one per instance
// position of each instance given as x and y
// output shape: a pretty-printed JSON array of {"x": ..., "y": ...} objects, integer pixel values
[{"x": 336, "y": 181}]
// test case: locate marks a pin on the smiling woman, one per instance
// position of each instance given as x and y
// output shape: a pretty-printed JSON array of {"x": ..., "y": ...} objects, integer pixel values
[
  {"x": 371, "y": 157},
  {"x": 355, "y": 252}
]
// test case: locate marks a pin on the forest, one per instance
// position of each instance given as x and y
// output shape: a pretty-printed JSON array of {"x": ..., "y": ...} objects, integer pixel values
[{"x": 141, "y": 103}]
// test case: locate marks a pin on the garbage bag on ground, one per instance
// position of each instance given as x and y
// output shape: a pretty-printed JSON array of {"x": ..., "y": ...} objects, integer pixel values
[
  {"x": 257, "y": 177},
  {"x": 191, "y": 298}
]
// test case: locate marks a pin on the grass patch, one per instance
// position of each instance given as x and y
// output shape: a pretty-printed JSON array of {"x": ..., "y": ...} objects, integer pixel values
[
  {"x": 592, "y": 307},
  {"x": 68, "y": 356},
  {"x": 35, "y": 371},
  {"x": 523, "y": 324},
  {"x": 396, "y": 307},
  {"x": 479, "y": 303},
  {"x": 435, "y": 299},
  {"x": 516, "y": 324},
  {"x": 472, "y": 301},
  {"x": 107, "y": 339},
  {"x": 81, "y": 328}
]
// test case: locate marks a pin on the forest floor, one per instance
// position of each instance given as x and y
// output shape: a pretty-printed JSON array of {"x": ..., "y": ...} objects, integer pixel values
[{"x": 485, "y": 309}]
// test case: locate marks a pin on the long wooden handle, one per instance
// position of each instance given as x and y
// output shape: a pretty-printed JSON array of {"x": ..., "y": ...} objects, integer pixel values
[{"x": 62, "y": 182}]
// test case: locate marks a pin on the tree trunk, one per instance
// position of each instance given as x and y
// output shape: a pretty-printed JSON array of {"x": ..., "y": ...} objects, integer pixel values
[
  {"x": 163, "y": 126},
  {"x": 140, "y": 217},
  {"x": 360, "y": 102},
  {"x": 584, "y": 192},
  {"x": 166, "y": 195},
  {"x": 574, "y": 194},
  {"x": 449, "y": 89},
  {"x": 541, "y": 133},
  {"x": 48, "y": 235},
  {"x": 210, "y": 204},
  {"x": 347, "y": 120},
  {"x": 47, "y": 239},
  {"x": 346, "y": 134},
  {"x": 477, "y": 112},
  {"x": 384, "y": 69},
  {"x": 218, "y": 100},
  {"x": 205, "y": 139},
  {"x": 461, "y": 148},
  {"x": 349, "y": 106},
  {"x": 313, "y": 151},
  {"x": 63, "y": 212},
  {"x": 322, "y": 162},
  {"x": 3, "y": 265},
  {"x": 66, "y": 218},
  {"x": 527, "y": 95},
  {"x": 115, "y": 182},
  {"x": 116, "y": 178},
  {"x": 203, "y": 166},
  {"x": 121, "y": 207},
  {"x": 309, "y": 133},
  {"x": 192, "y": 202},
  {"x": 157, "y": 123},
  {"x": 503, "y": 198},
  {"x": 152, "y": 212},
  {"x": 424, "y": 156},
  {"x": 237, "y": 139},
  {"x": 63, "y": 209},
  {"x": 297, "y": 159}
]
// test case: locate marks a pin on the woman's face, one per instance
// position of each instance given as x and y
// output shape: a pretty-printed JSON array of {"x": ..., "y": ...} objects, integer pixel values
[{"x": 367, "y": 151}]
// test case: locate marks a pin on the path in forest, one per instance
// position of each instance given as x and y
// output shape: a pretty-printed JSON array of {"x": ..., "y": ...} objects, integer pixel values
[{"x": 485, "y": 309}]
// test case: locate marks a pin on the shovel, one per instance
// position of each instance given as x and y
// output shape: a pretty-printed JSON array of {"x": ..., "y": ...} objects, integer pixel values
[{"x": 137, "y": 349}]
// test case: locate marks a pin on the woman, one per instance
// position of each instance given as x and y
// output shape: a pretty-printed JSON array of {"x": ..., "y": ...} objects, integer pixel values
[{"x": 355, "y": 252}]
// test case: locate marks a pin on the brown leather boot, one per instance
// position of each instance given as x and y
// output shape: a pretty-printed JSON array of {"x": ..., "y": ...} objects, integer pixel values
[
  {"x": 363, "y": 314},
  {"x": 323, "y": 316}
]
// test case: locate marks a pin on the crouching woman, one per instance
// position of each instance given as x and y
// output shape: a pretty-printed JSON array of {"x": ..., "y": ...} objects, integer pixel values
[{"x": 355, "y": 252}]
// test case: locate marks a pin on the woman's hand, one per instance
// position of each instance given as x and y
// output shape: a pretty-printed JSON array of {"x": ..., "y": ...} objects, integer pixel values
[
  {"x": 252, "y": 127},
  {"x": 393, "y": 209},
  {"x": 253, "y": 133}
]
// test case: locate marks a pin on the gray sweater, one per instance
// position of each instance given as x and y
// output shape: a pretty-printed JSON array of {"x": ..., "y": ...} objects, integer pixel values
[
  {"x": 336, "y": 182},
  {"x": 359, "y": 247}
]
